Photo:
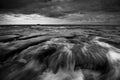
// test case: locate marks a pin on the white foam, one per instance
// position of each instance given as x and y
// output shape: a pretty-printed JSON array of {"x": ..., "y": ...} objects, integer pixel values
[
  {"x": 103, "y": 44},
  {"x": 63, "y": 75},
  {"x": 113, "y": 55}
]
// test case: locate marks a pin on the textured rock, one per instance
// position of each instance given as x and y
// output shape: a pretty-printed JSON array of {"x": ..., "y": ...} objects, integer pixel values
[{"x": 58, "y": 54}]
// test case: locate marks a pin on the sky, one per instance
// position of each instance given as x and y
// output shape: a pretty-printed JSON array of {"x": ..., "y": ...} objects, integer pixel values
[
  {"x": 46, "y": 10},
  {"x": 18, "y": 4}
]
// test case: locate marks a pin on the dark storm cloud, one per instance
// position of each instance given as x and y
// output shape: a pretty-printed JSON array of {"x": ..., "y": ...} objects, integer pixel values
[
  {"x": 104, "y": 4},
  {"x": 10, "y": 4},
  {"x": 110, "y": 5}
]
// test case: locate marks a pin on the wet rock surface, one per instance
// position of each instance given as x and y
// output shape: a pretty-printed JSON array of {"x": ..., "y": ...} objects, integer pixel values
[{"x": 24, "y": 48}]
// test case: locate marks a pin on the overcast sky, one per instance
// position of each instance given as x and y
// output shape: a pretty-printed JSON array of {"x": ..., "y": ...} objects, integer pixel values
[
  {"x": 13, "y": 4},
  {"x": 44, "y": 11}
]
